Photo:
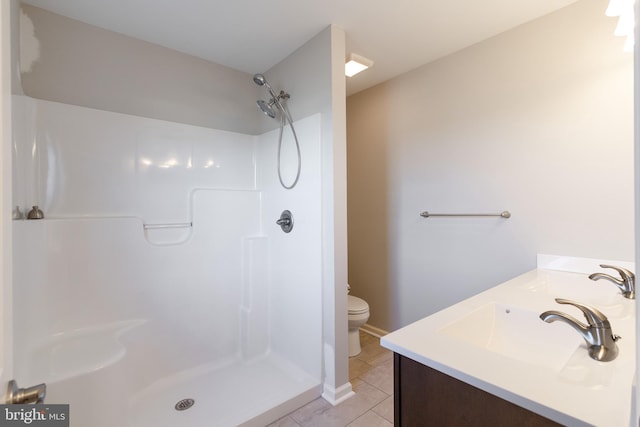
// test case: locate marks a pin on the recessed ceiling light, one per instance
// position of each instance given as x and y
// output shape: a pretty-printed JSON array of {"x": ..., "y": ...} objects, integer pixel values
[{"x": 355, "y": 64}]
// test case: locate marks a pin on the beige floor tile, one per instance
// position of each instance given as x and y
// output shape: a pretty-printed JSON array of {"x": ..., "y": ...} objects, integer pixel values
[
  {"x": 385, "y": 409},
  {"x": 357, "y": 368},
  {"x": 370, "y": 419},
  {"x": 366, "y": 398},
  {"x": 355, "y": 382},
  {"x": 371, "y": 376},
  {"x": 285, "y": 422},
  {"x": 381, "y": 377},
  {"x": 385, "y": 357},
  {"x": 368, "y": 339},
  {"x": 309, "y": 409},
  {"x": 371, "y": 352}
]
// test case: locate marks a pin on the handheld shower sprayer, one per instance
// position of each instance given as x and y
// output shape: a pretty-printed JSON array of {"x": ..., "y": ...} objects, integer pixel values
[
  {"x": 285, "y": 117},
  {"x": 261, "y": 81}
]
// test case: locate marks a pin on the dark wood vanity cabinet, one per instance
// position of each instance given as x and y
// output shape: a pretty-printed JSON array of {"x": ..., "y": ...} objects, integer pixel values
[{"x": 426, "y": 397}]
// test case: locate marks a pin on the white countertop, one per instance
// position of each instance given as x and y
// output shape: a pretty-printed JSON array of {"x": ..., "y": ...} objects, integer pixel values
[{"x": 553, "y": 377}]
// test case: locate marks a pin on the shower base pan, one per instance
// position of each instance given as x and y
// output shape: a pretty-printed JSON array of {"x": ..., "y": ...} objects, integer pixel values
[{"x": 238, "y": 394}]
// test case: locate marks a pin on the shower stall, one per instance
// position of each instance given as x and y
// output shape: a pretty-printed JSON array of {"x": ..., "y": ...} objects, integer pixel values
[{"x": 158, "y": 290}]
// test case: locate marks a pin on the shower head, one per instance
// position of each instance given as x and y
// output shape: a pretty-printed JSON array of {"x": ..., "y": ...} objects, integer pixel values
[
  {"x": 259, "y": 79},
  {"x": 266, "y": 108}
]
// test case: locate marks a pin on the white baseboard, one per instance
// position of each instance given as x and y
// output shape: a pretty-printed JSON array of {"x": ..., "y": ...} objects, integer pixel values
[
  {"x": 338, "y": 395},
  {"x": 372, "y": 330}
]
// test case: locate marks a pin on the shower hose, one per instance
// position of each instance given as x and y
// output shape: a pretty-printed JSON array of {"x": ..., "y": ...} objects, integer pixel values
[{"x": 284, "y": 118}]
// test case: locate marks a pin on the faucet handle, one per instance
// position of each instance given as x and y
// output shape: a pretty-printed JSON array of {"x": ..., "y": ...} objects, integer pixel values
[
  {"x": 594, "y": 316},
  {"x": 626, "y": 275},
  {"x": 627, "y": 283}
]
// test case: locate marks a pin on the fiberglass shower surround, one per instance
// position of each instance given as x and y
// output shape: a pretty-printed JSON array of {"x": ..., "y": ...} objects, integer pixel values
[
  {"x": 279, "y": 102},
  {"x": 126, "y": 321}
]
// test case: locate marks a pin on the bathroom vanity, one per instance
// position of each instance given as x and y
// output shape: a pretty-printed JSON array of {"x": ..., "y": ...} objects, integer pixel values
[
  {"x": 423, "y": 393},
  {"x": 491, "y": 360}
]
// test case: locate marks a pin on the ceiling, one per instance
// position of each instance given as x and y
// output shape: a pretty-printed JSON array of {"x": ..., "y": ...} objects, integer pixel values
[{"x": 252, "y": 35}]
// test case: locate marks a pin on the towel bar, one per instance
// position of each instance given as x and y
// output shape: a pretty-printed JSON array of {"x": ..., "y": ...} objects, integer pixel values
[{"x": 504, "y": 214}]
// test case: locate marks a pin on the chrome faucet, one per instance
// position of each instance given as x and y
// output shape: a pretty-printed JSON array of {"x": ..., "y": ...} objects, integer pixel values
[
  {"x": 627, "y": 285},
  {"x": 598, "y": 334}
]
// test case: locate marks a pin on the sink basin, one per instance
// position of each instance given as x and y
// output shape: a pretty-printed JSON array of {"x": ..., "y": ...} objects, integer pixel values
[
  {"x": 601, "y": 294},
  {"x": 516, "y": 333}
]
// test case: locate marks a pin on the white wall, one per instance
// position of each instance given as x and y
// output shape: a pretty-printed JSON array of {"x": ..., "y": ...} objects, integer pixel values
[{"x": 537, "y": 121}]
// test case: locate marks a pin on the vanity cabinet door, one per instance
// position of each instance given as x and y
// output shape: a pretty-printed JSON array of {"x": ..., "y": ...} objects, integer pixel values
[{"x": 426, "y": 397}]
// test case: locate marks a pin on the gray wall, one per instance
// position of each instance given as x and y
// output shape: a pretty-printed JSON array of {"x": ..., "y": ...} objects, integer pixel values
[
  {"x": 538, "y": 121},
  {"x": 80, "y": 64},
  {"x": 306, "y": 76}
]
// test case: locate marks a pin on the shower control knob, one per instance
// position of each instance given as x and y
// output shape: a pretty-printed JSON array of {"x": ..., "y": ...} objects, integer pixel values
[{"x": 285, "y": 221}]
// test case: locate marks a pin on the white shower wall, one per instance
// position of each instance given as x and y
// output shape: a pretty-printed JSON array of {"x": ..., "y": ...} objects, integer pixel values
[
  {"x": 296, "y": 265},
  {"x": 94, "y": 290},
  {"x": 96, "y": 163}
]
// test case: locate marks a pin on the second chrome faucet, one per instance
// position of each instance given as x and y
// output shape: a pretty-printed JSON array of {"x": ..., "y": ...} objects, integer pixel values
[
  {"x": 626, "y": 283},
  {"x": 598, "y": 333}
]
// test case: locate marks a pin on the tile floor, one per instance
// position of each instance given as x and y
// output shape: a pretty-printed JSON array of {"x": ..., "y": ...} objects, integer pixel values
[{"x": 371, "y": 374}]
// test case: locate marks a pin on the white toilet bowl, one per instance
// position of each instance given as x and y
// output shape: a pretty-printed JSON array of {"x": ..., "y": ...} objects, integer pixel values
[{"x": 358, "y": 316}]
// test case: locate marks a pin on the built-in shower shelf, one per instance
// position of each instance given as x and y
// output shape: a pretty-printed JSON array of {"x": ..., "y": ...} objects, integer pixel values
[{"x": 168, "y": 233}]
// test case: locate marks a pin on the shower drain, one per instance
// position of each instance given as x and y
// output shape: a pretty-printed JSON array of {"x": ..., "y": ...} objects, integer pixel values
[{"x": 184, "y": 404}]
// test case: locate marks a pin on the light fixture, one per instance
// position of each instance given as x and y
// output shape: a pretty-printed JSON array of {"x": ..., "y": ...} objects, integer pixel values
[
  {"x": 615, "y": 7},
  {"x": 355, "y": 64},
  {"x": 623, "y": 9}
]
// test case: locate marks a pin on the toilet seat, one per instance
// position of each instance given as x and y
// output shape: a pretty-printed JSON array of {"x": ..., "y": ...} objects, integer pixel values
[{"x": 357, "y": 305}]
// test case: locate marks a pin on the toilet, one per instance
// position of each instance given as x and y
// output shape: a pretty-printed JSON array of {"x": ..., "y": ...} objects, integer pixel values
[{"x": 358, "y": 316}]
